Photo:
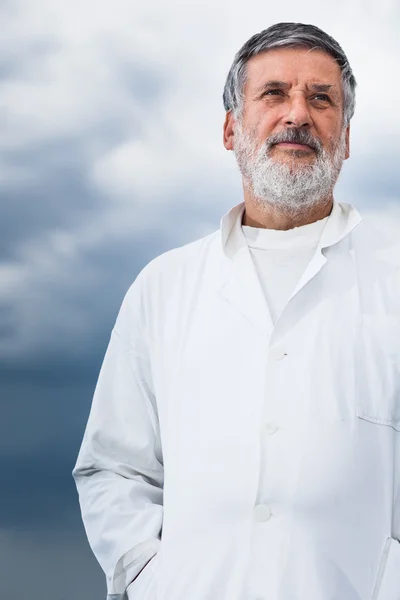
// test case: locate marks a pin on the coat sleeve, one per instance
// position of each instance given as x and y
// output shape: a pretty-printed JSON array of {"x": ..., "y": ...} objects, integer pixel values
[{"x": 119, "y": 471}]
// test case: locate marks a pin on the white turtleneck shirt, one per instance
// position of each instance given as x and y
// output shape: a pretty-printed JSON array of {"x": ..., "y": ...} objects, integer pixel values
[{"x": 280, "y": 258}]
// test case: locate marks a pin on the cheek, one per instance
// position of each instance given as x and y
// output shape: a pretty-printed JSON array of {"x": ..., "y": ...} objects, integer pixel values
[
  {"x": 268, "y": 127},
  {"x": 333, "y": 130},
  {"x": 331, "y": 139}
]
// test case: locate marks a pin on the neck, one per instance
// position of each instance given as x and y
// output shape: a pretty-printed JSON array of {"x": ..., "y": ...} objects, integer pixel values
[{"x": 267, "y": 216}]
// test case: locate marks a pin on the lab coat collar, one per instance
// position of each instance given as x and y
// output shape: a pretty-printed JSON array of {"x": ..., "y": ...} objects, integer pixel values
[{"x": 342, "y": 219}]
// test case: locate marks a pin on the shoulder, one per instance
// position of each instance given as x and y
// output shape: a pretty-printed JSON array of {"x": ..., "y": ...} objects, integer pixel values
[
  {"x": 176, "y": 259},
  {"x": 377, "y": 255},
  {"x": 376, "y": 243},
  {"x": 168, "y": 271}
]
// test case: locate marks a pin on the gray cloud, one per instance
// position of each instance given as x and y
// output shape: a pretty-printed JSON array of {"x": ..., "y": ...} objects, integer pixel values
[
  {"x": 53, "y": 563},
  {"x": 56, "y": 196},
  {"x": 37, "y": 492}
]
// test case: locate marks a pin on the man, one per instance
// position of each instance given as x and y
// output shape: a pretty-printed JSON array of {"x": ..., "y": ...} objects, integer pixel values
[{"x": 244, "y": 436}]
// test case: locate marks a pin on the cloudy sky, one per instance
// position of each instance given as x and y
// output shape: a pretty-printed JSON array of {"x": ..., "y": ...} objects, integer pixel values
[{"x": 110, "y": 153}]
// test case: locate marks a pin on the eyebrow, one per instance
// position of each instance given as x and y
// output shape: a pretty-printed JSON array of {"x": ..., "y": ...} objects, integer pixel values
[
  {"x": 271, "y": 84},
  {"x": 317, "y": 87},
  {"x": 323, "y": 87}
]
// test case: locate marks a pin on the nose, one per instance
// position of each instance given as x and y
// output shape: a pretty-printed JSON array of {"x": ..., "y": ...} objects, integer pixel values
[{"x": 298, "y": 112}]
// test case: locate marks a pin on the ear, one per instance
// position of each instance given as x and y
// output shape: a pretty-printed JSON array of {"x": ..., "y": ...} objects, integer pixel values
[
  {"x": 229, "y": 130},
  {"x": 347, "y": 142}
]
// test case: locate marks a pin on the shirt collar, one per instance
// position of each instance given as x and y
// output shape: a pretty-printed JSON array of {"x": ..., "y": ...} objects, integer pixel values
[{"x": 343, "y": 218}]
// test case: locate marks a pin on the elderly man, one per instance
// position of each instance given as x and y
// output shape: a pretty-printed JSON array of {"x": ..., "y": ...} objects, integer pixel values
[{"x": 244, "y": 436}]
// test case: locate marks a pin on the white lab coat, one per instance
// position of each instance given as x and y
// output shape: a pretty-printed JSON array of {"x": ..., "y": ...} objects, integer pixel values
[{"x": 252, "y": 461}]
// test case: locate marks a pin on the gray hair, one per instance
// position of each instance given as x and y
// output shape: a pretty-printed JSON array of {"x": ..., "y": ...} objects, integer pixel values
[{"x": 285, "y": 35}]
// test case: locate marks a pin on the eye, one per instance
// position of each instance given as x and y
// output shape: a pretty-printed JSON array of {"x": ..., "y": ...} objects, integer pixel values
[
  {"x": 324, "y": 97},
  {"x": 272, "y": 92}
]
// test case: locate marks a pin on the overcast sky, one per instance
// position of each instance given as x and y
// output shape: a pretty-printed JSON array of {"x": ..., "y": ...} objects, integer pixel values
[{"x": 110, "y": 153}]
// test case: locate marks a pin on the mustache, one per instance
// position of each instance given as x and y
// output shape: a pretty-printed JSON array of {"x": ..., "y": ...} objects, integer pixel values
[{"x": 295, "y": 136}]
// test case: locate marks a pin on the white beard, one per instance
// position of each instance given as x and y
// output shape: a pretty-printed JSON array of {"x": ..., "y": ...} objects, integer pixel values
[{"x": 289, "y": 186}]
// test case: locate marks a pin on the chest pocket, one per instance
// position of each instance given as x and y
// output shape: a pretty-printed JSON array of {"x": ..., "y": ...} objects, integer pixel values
[{"x": 378, "y": 370}]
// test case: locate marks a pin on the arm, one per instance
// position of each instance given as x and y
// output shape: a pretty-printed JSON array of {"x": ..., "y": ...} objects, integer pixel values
[{"x": 119, "y": 472}]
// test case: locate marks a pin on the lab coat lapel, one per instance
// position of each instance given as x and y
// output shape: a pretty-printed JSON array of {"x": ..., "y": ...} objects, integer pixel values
[
  {"x": 342, "y": 219},
  {"x": 243, "y": 290},
  {"x": 240, "y": 284}
]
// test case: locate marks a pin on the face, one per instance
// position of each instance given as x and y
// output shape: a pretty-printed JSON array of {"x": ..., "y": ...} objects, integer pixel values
[{"x": 291, "y": 141}]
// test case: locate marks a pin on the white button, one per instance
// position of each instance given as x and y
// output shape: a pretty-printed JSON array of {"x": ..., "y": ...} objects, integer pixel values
[
  {"x": 262, "y": 512},
  {"x": 276, "y": 353},
  {"x": 269, "y": 427}
]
